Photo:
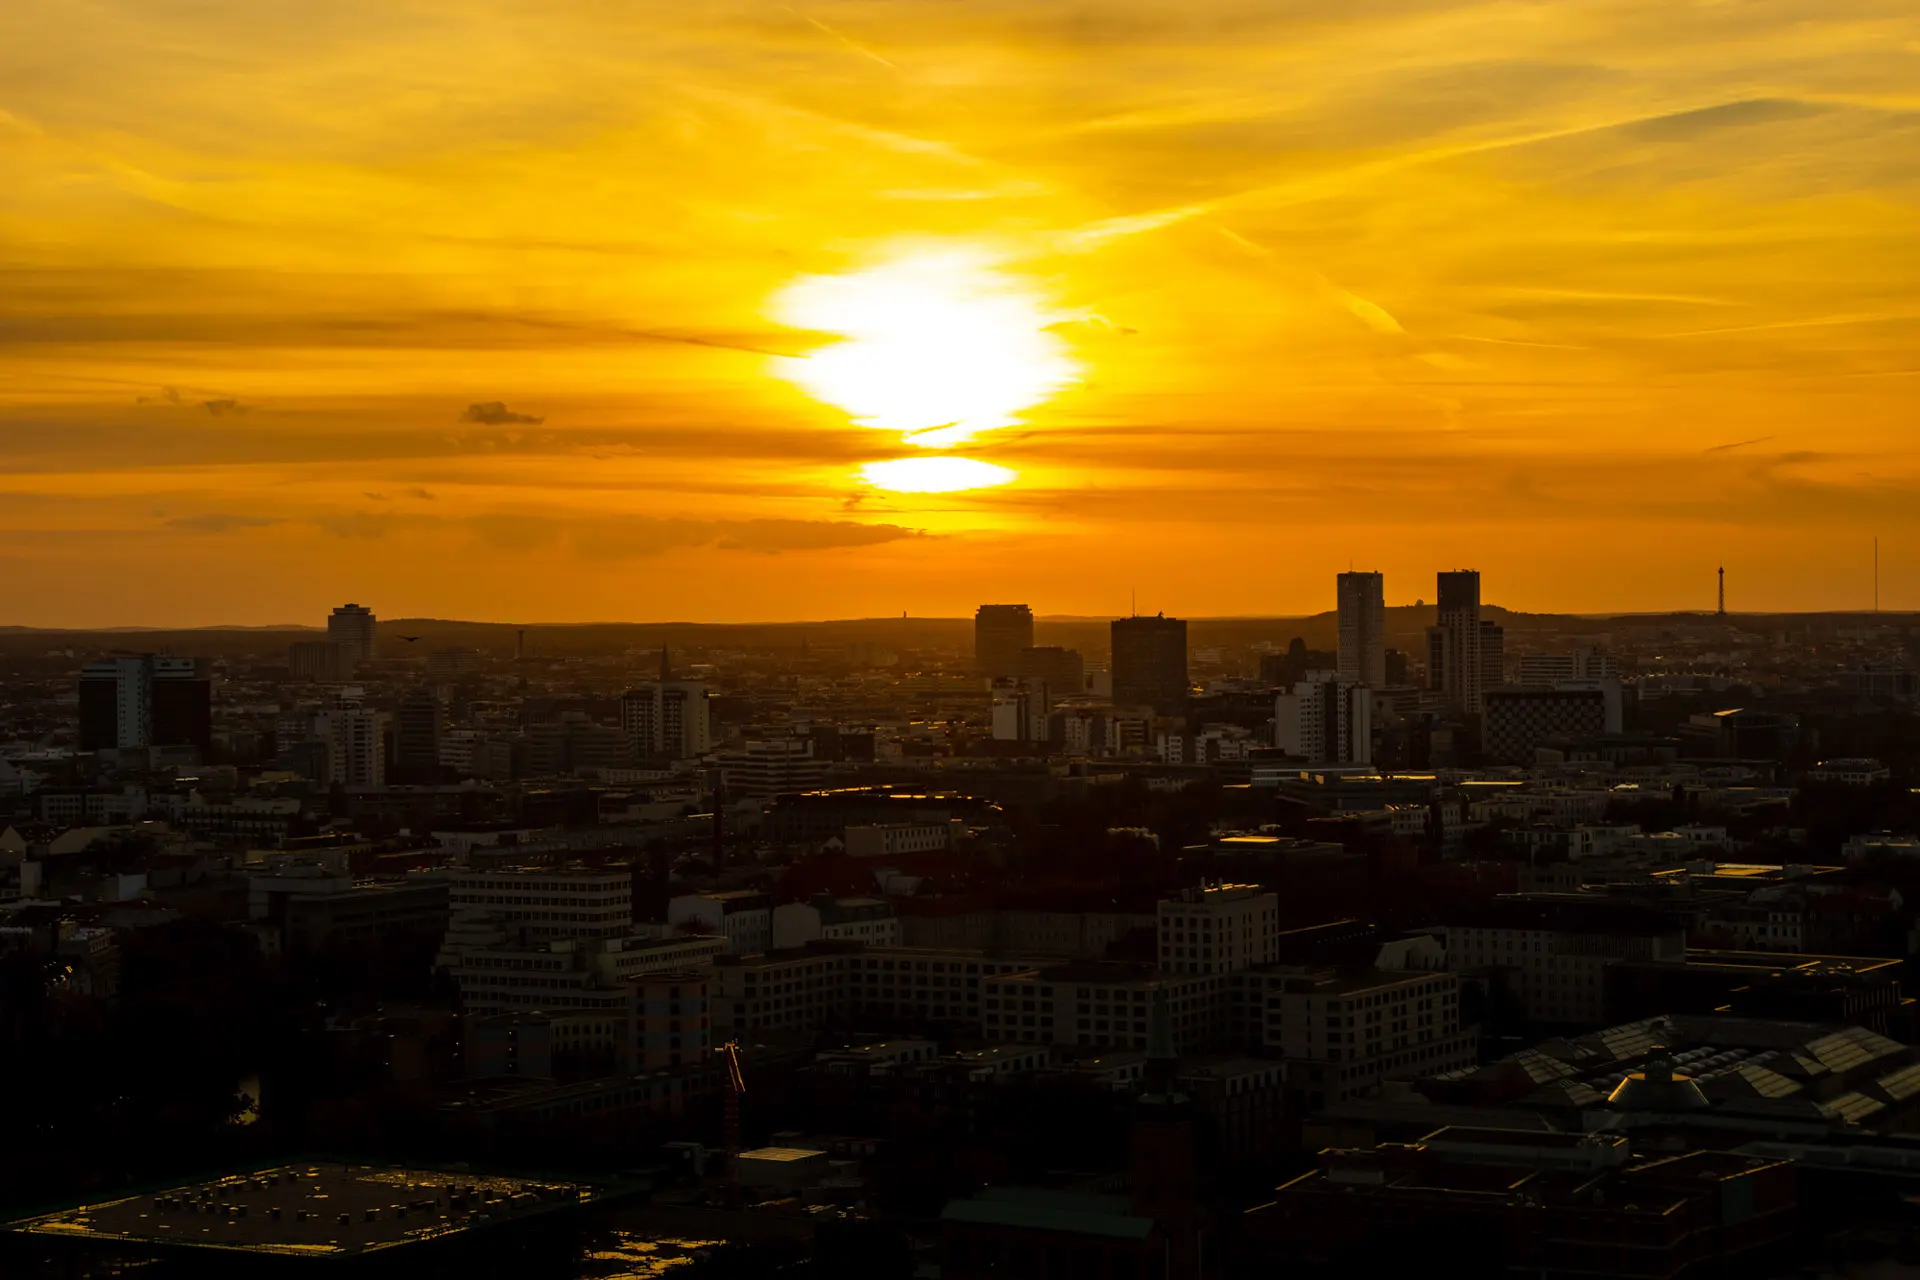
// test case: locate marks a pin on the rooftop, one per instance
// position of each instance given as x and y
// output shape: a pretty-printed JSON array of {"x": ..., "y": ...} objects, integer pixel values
[
  {"x": 1040, "y": 1209},
  {"x": 314, "y": 1210}
]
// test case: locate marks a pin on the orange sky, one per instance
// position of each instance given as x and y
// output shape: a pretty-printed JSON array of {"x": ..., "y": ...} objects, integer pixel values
[{"x": 588, "y": 311}]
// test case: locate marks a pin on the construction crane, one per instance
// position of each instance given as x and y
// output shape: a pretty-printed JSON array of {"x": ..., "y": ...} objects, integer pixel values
[{"x": 736, "y": 1085}]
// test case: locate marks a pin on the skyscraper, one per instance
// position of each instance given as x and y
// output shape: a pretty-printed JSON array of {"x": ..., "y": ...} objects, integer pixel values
[
  {"x": 667, "y": 719},
  {"x": 419, "y": 724},
  {"x": 352, "y": 625},
  {"x": 1362, "y": 601},
  {"x": 145, "y": 700},
  {"x": 1150, "y": 663},
  {"x": 1000, "y": 632},
  {"x": 1456, "y": 644}
]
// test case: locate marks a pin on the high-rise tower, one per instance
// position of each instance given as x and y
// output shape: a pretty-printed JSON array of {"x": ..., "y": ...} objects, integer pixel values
[
  {"x": 1000, "y": 633},
  {"x": 1362, "y": 599},
  {"x": 352, "y": 625},
  {"x": 1150, "y": 663},
  {"x": 1457, "y": 643}
]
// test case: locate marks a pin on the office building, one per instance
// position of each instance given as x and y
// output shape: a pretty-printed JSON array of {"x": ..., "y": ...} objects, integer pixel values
[
  {"x": 667, "y": 719},
  {"x": 1519, "y": 718},
  {"x": 771, "y": 766},
  {"x": 871, "y": 921},
  {"x": 1219, "y": 928},
  {"x": 352, "y": 625},
  {"x": 744, "y": 917},
  {"x": 1000, "y": 633},
  {"x": 1553, "y": 954},
  {"x": 539, "y": 904},
  {"x": 1575, "y": 664},
  {"x": 1063, "y": 671},
  {"x": 314, "y": 902},
  {"x": 1456, "y": 644},
  {"x": 1105, "y": 1004},
  {"x": 419, "y": 725},
  {"x": 321, "y": 661},
  {"x": 1342, "y": 1032},
  {"x": 145, "y": 700},
  {"x": 1150, "y": 663},
  {"x": 1362, "y": 601},
  {"x": 573, "y": 744},
  {"x": 1325, "y": 721}
]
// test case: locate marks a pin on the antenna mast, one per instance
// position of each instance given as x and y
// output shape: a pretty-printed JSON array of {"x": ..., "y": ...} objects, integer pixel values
[{"x": 1723, "y": 591}]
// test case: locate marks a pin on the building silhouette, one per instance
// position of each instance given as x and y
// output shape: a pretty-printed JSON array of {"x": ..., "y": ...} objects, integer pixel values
[
  {"x": 145, "y": 700},
  {"x": 1000, "y": 633},
  {"x": 1465, "y": 653},
  {"x": 352, "y": 625},
  {"x": 1063, "y": 671},
  {"x": 1150, "y": 663},
  {"x": 419, "y": 722},
  {"x": 1362, "y": 601}
]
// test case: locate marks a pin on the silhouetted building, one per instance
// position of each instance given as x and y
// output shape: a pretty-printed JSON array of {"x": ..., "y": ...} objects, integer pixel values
[
  {"x": 1363, "y": 628},
  {"x": 321, "y": 661},
  {"x": 1063, "y": 671},
  {"x": 419, "y": 723},
  {"x": 1456, "y": 644},
  {"x": 1150, "y": 663},
  {"x": 352, "y": 625},
  {"x": 1520, "y": 718},
  {"x": 145, "y": 701},
  {"x": 1000, "y": 632}
]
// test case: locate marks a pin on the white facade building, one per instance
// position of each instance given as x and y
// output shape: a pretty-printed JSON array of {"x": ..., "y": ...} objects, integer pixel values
[
  {"x": 1214, "y": 929},
  {"x": 1325, "y": 721},
  {"x": 669, "y": 720},
  {"x": 542, "y": 903},
  {"x": 356, "y": 745}
]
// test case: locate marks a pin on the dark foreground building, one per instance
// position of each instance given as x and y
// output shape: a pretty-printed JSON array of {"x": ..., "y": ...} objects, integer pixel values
[{"x": 325, "y": 1220}]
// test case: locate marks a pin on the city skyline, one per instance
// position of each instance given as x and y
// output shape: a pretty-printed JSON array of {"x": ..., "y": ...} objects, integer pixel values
[{"x": 908, "y": 307}]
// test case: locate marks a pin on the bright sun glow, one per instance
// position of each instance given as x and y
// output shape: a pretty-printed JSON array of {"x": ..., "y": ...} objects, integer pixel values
[
  {"x": 938, "y": 345},
  {"x": 934, "y": 475}
]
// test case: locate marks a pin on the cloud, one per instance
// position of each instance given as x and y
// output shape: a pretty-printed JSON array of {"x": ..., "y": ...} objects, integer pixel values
[
  {"x": 225, "y": 406},
  {"x": 1737, "y": 444},
  {"x": 220, "y": 522},
  {"x": 425, "y": 495},
  {"x": 495, "y": 413}
]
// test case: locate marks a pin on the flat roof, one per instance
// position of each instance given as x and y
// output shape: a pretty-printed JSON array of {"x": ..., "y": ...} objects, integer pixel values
[
  {"x": 313, "y": 1210},
  {"x": 780, "y": 1155}
]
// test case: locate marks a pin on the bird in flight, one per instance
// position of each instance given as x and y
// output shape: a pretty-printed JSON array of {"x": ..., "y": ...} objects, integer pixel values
[{"x": 409, "y": 639}]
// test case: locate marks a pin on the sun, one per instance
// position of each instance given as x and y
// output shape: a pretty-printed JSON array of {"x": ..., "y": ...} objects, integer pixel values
[
  {"x": 938, "y": 344},
  {"x": 934, "y": 474}
]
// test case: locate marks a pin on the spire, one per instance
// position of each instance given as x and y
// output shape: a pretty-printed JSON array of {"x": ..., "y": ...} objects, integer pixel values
[{"x": 666, "y": 668}]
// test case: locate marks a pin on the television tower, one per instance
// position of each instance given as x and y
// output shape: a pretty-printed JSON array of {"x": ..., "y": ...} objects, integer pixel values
[{"x": 1723, "y": 591}]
